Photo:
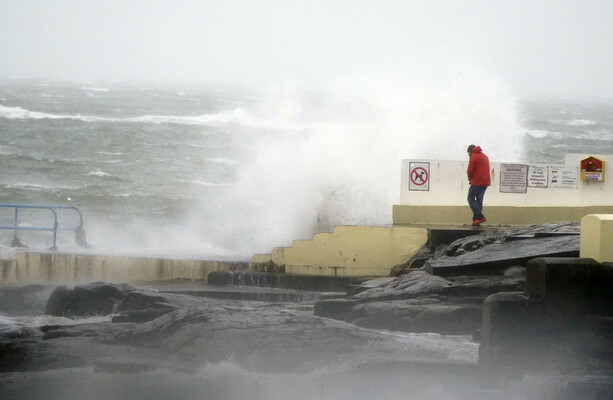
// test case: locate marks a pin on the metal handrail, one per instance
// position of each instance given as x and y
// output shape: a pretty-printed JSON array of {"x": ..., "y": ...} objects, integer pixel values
[{"x": 15, "y": 227}]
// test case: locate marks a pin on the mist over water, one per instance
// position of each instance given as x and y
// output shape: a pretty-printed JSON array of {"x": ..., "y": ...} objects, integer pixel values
[{"x": 213, "y": 172}]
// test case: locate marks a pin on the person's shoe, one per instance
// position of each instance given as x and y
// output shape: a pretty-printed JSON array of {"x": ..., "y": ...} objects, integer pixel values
[{"x": 478, "y": 221}]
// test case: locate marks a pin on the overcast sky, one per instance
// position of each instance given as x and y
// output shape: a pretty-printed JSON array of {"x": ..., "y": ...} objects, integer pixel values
[{"x": 537, "y": 47}]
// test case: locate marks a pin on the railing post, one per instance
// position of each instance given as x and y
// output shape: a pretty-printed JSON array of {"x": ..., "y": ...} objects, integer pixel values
[
  {"x": 16, "y": 222},
  {"x": 55, "y": 225}
]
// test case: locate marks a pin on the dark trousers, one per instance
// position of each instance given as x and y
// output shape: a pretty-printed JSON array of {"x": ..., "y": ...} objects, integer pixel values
[{"x": 475, "y": 201}]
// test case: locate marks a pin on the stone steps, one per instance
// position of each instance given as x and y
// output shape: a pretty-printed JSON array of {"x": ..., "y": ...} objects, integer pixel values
[{"x": 348, "y": 251}]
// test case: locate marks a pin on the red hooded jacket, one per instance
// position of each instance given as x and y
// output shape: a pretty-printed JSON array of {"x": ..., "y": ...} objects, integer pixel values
[{"x": 478, "y": 168}]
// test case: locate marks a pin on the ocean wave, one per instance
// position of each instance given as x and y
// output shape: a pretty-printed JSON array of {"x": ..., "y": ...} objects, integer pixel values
[
  {"x": 206, "y": 183},
  {"x": 237, "y": 115},
  {"x": 582, "y": 122},
  {"x": 574, "y": 122},
  {"x": 96, "y": 89},
  {"x": 537, "y": 133},
  {"x": 223, "y": 161},
  {"x": 34, "y": 187},
  {"x": 6, "y": 151},
  {"x": 20, "y": 113},
  {"x": 101, "y": 174}
]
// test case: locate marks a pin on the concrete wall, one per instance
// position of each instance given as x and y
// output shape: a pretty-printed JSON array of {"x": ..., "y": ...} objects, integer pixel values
[
  {"x": 554, "y": 200},
  {"x": 351, "y": 251},
  {"x": 597, "y": 237},
  {"x": 29, "y": 268}
]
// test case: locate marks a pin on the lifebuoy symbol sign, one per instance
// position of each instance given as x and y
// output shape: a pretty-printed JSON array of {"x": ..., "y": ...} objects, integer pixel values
[{"x": 419, "y": 176}]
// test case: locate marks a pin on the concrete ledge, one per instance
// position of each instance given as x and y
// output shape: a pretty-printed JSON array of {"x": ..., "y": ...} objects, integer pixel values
[
  {"x": 597, "y": 237},
  {"x": 30, "y": 268},
  {"x": 561, "y": 282},
  {"x": 404, "y": 214},
  {"x": 579, "y": 285}
]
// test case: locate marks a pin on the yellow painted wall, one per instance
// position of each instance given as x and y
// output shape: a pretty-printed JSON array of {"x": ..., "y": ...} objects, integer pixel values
[
  {"x": 403, "y": 214},
  {"x": 352, "y": 251},
  {"x": 597, "y": 237},
  {"x": 28, "y": 268}
]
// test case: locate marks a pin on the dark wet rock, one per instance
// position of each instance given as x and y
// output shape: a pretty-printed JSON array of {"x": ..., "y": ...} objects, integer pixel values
[
  {"x": 496, "y": 257},
  {"x": 425, "y": 315},
  {"x": 420, "y": 302},
  {"x": 114, "y": 367},
  {"x": 137, "y": 301},
  {"x": 87, "y": 300},
  {"x": 15, "y": 355},
  {"x": 141, "y": 315},
  {"x": 98, "y": 299},
  {"x": 334, "y": 308},
  {"x": 252, "y": 336},
  {"x": 415, "y": 283},
  {"x": 24, "y": 300},
  {"x": 59, "y": 333},
  {"x": 494, "y": 250},
  {"x": 416, "y": 261}
]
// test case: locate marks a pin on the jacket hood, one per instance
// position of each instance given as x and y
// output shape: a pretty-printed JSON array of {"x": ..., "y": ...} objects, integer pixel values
[{"x": 476, "y": 149}]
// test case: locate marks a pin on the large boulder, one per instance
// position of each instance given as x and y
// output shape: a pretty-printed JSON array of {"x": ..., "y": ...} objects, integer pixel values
[
  {"x": 86, "y": 301},
  {"x": 104, "y": 299}
]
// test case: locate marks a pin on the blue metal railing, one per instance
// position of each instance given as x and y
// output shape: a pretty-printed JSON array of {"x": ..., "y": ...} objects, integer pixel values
[{"x": 16, "y": 227}]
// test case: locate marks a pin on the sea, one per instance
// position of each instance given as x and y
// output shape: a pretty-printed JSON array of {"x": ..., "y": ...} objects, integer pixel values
[{"x": 220, "y": 173}]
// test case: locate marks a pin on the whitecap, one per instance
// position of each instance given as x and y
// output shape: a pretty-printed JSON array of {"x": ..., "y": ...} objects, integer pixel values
[
  {"x": 96, "y": 89},
  {"x": 581, "y": 122},
  {"x": 20, "y": 113},
  {"x": 238, "y": 115},
  {"x": 223, "y": 161},
  {"x": 98, "y": 173},
  {"x": 206, "y": 183},
  {"x": 537, "y": 133}
]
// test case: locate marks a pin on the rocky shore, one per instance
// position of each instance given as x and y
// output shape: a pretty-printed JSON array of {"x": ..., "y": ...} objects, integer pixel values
[{"x": 489, "y": 287}]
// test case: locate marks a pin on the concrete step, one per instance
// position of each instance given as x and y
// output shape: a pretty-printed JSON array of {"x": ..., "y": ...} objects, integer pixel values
[{"x": 350, "y": 251}]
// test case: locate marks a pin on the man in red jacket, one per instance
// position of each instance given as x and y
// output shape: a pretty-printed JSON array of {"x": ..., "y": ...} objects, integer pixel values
[{"x": 479, "y": 178}]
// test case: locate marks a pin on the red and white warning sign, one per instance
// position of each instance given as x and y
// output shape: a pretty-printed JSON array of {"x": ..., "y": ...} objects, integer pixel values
[{"x": 419, "y": 176}]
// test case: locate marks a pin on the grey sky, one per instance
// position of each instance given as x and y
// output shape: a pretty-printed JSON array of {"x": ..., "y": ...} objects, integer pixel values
[{"x": 539, "y": 47}]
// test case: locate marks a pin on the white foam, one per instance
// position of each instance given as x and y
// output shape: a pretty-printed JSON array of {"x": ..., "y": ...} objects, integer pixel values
[
  {"x": 96, "y": 89},
  {"x": 344, "y": 168},
  {"x": 206, "y": 183},
  {"x": 538, "y": 133},
  {"x": 223, "y": 161},
  {"x": 581, "y": 122},
  {"x": 98, "y": 173},
  {"x": 236, "y": 116}
]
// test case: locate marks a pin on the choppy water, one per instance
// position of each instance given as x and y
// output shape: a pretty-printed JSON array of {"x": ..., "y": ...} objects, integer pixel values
[{"x": 225, "y": 172}]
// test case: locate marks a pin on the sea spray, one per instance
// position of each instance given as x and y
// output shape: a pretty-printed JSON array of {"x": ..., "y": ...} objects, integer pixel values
[{"x": 343, "y": 168}]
